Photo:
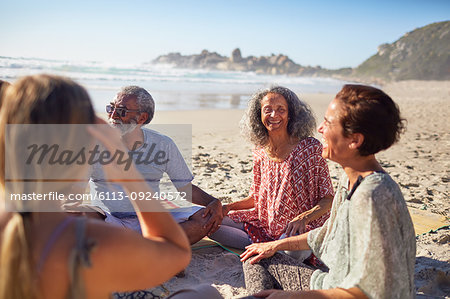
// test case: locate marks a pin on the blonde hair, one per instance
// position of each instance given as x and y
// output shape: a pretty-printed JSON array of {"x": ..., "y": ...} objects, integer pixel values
[
  {"x": 15, "y": 260},
  {"x": 38, "y": 99},
  {"x": 3, "y": 86}
]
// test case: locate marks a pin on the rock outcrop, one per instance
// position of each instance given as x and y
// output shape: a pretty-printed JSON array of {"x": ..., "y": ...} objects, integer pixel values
[
  {"x": 423, "y": 54},
  {"x": 274, "y": 64}
]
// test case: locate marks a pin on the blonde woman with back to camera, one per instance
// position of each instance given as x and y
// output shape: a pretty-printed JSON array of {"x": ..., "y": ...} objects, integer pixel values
[{"x": 55, "y": 255}]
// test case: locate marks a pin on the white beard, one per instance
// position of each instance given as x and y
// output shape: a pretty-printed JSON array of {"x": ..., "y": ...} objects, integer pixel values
[{"x": 124, "y": 128}]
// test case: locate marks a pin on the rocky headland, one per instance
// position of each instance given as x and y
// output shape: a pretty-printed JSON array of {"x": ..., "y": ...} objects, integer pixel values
[
  {"x": 274, "y": 64},
  {"x": 422, "y": 54}
]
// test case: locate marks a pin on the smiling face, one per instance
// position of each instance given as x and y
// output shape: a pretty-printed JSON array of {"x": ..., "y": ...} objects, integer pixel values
[
  {"x": 131, "y": 119},
  {"x": 274, "y": 113},
  {"x": 336, "y": 147}
]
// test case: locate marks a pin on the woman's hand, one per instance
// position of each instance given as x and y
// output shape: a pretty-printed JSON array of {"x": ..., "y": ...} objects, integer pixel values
[
  {"x": 225, "y": 210},
  {"x": 274, "y": 294},
  {"x": 261, "y": 250},
  {"x": 119, "y": 166},
  {"x": 352, "y": 293},
  {"x": 297, "y": 226},
  {"x": 122, "y": 166}
]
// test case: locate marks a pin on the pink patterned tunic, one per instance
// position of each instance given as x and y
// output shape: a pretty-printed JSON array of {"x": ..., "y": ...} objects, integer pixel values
[{"x": 283, "y": 190}]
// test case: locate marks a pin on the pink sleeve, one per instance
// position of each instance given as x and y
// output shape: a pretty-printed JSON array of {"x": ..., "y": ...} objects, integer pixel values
[{"x": 254, "y": 189}]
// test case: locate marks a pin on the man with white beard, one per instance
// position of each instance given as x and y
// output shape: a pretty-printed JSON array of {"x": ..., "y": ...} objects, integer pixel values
[{"x": 132, "y": 108}]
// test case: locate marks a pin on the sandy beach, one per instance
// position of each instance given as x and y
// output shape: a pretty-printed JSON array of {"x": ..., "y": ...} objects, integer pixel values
[{"x": 420, "y": 164}]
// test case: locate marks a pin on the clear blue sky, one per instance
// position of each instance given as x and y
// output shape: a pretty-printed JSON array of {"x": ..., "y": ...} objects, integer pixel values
[{"x": 328, "y": 33}]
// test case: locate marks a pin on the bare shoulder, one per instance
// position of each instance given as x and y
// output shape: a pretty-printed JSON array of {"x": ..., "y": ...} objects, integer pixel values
[
  {"x": 124, "y": 260},
  {"x": 113, "y": 241}
]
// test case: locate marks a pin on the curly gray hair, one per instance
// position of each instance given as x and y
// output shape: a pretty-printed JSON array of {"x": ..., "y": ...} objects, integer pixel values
[
  {"x": 143, "y": 98},
  {"x": 302, "y": 122}
]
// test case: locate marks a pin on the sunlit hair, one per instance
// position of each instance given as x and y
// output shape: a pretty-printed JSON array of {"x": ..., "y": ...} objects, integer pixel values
[
  {"x": 3, "y": 86},
  {"x": 301, "y": 122},
  {"x": 371, "y": 112},
  {"x": 43, "y": 99},
  {"x": 144, "y": 100},
  {"x": 39, "y": 99}
]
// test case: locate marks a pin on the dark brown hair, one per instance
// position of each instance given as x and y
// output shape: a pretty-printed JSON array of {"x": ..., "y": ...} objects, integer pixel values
[{"x": 371, "y": 112}]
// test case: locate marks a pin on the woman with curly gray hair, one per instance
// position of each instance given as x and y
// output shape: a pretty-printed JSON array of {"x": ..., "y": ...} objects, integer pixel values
[
  {"x": 368, "y": 243},
  {"x": 291, "y": 191}
]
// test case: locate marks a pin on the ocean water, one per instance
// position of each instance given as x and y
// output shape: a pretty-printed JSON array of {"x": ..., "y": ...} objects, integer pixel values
[{"x": 171, "y": 88}]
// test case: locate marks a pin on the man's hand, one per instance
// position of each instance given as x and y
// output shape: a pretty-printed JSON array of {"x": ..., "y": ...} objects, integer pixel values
[
  {"x": 261, "y": 250},
  {"x": 214, "y": 210}
]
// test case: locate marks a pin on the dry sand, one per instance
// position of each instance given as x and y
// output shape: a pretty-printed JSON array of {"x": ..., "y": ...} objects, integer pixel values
[{"x": 420, "y": 163}]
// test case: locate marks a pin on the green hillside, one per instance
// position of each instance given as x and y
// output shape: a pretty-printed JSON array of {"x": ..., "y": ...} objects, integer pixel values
[{"x": 422, "y": 54}]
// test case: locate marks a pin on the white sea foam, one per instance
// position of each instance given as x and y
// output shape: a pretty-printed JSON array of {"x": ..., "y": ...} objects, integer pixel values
[{"x": 172, "y": 88}]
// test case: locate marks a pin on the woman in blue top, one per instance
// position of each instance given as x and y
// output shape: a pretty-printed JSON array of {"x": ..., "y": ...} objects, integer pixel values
[{"x": 368, "y": 243}]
